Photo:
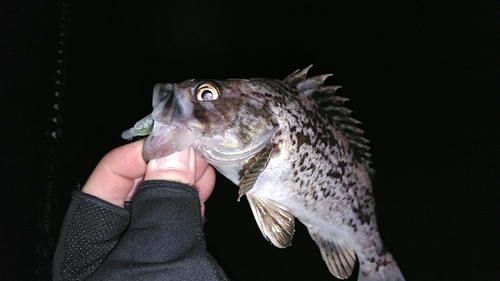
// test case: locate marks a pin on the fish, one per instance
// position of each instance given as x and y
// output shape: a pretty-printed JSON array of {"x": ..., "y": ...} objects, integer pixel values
[{"x": 294, "y": 151}]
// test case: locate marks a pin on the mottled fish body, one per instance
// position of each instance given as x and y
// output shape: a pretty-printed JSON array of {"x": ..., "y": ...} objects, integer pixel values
[{"x": 293, "y": 150}]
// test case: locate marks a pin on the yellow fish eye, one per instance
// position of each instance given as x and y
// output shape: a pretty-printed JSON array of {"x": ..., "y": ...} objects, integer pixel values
[{"x": 207, "y": 92}]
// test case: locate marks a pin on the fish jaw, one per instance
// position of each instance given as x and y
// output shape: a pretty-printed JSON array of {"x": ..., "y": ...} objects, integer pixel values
[
  {"x": 165, "y": 140},
  {"x": 169, "y": 133}
]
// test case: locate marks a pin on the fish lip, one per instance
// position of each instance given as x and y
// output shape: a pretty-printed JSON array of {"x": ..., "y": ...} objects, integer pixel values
[
  {"x": 161, "y": 91},
  {"x": 166, "y": 139},
  {"x": 171, "y": 105},
  {"x": 172, "y": 109}
]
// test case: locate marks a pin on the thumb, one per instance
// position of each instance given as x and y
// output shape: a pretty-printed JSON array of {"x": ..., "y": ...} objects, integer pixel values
[{"x": 179, "y": 167}]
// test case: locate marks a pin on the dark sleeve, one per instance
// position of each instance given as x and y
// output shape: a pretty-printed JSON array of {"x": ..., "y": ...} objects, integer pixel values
[
  {"x": 90, "y": 231},
  {"x": 164, "y": 241}
]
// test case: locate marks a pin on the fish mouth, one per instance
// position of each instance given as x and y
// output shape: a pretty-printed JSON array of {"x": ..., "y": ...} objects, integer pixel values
[
  {"x": 165, "y": 140},
  {"x": 167, "y": 106},
  {"x": 173, "y": 127},
  {"x": 168, "y": 135}
]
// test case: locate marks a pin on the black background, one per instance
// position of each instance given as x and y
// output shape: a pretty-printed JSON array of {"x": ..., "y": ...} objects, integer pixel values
[{"x": 423, "y": 78}]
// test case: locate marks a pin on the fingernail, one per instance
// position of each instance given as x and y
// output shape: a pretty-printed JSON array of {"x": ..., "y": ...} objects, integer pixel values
[{"x": 178, "y": 160}]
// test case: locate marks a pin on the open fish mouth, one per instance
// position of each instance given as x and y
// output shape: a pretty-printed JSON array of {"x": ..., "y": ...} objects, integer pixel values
[
  {"x": 165, "y": 140},
  {"x": 166, "y": 136},
  {"x": 180, "y": 119}
]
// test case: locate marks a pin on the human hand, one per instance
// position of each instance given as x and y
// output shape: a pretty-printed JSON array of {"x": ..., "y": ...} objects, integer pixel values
[
  {"x": 117, "y": 176},
  {"x": 186, "y": 167}
]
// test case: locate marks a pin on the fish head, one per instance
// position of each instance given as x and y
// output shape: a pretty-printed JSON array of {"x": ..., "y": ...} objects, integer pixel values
[{"x": 226, "y": 121}]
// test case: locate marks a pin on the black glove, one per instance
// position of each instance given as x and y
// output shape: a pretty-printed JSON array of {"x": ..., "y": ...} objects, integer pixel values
[{"x": 164, "y": 241}]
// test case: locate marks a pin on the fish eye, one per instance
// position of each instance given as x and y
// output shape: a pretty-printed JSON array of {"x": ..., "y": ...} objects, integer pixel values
[{"x": 207, "y": 92}]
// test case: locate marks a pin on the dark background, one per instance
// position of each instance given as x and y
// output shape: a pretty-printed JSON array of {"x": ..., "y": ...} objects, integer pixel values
[{"x": 423, "y": 79}]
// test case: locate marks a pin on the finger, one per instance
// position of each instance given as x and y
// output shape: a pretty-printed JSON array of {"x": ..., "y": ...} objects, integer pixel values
[
  {"x": 179, "y": 167},
  {"x": 137, "y": 182},
  {"x": 186, "y": 167},
  {"x": 205, "y": 186},
  {"x": 115, "y": 175},
  {"x": 201, "y": 166}
]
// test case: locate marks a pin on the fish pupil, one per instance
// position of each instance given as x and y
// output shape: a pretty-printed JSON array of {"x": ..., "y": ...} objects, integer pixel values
[{"x": 207, "y": 95}]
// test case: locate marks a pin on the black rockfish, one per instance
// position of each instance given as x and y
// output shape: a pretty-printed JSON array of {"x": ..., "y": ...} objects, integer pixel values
[{"x": 292, "y": 149}]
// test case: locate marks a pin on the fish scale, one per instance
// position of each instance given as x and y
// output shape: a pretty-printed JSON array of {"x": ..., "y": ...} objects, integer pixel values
[{"x": 293, "y": 150}]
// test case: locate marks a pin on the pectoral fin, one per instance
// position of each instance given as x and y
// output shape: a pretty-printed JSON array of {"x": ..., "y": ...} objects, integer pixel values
[
  {"x": 275, "y": 221},
  {"x": 338, "y": 256},
  {"x": 252, "y": 173}
]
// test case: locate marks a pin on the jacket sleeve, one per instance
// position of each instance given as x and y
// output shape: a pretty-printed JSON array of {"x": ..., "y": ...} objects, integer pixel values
[{"x": 164, "y": 241}]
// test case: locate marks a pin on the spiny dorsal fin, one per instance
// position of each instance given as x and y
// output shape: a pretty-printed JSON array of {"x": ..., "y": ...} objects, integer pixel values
[
  {"x": 297, "y": 76},
  {"x": 252, "y": 173},
  {"x": 338, "y": 256},
  {"x": 275, "y": 221},
  {"x": 325, "y": 97}
]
